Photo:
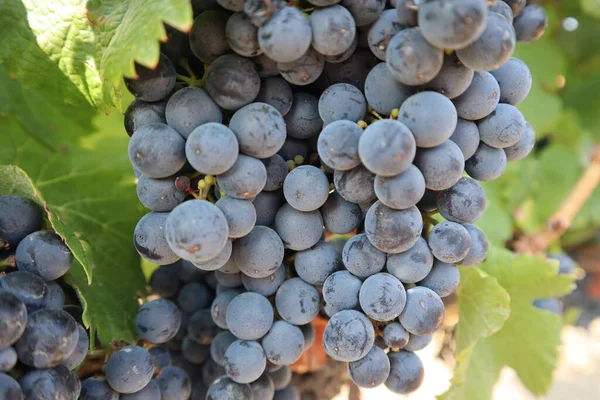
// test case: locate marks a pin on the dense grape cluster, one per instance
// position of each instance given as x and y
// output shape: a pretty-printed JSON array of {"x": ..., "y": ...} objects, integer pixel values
[
  {"x": 349, "y": 117},
  {"x": 42, "y": 340}
]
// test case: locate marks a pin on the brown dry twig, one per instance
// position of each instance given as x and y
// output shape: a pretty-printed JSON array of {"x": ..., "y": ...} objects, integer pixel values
[{"x": 562, "y": 219}]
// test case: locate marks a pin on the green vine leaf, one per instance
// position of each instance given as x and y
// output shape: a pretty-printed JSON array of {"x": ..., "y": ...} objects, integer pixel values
[
  {"x": 88, "y": 190},
  {"x": 80, "y": 51},
  {"x": 527, "y": 342}
]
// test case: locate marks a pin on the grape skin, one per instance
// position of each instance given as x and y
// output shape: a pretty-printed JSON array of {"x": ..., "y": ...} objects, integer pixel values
[
  {"x": 395, "y": 336},
  {"x": 232, "y": 82},
  {"x": 401, "y": 191},
  {"x": 453, "y": 79},
  {"x": 211, "y": 372},
  {"x": 249, "y": 304},
  {"x": 531, "y": 23},
  {"x": 245, "y": 179},
  {"x": 338, "y": 145},
  {"x": 227, "y": 281},
  {"x": 260, "y": 130},
  {"x": 406, "y": 15},
  {"x": 277, "y": 170},
  {"x": 306, "y": 188},
  {"x": 333, "y": 30},
  {"x": 503, "y": 128},
  {"x": 314, "y": 265},
  {"x": 516, "y": 5},
  {"x": 196, "y": 230},
  {"x": 452, "y": 24},
  {"x": 406, "y": 372},
  {"x": 259, "y": 253},
  {"x": 341, "y": 290},
  {"x": 424, "y": 311},
  {"x": 493, "y": 48},
  {"x": 297, "y": 302},
  {"x": 193, "y": 297},
  {"x": 277, "y": 93},
  {"x": 345, "y": 55},
  {"x": 263, "y": 387},
  {"x": 27, "y": 287},
  {"x": 158, "y": 321},
  {"x": 348, "y": 336},
  {"x": 219, "y": 345},
  {"x": 287, "y": 36},
  {"x": 382, "y": 297},
  {"x": 340, "y": 216},
  {"x": 480, "y": 99},
  {"x": 218, "y": 310},
  {"x": 515, "y": 81},
  {"x": 449, "y": 242},
  {"x": 416, "y": 343},
  {"x": 241, "y": 35},
  {"x": 265, "y": 66},
  {"x": 245, "y": 361},
  {"x": 10, "y": 389},
  {"x": 129, "y": 370},
  {"x": 411, "y": 59},
  {"x": 226, "y": 388},
  {"x": 442, "y": 166},
  {"x": 208, "y": 40},
  {"x": 298, "y": 230},
  {"x": 523, "y": 147},
  {"x": 153, "y": 84},
  {"x": 19, "y": 216},
  {"x": 383, "y": 92},
  {"x": 159, "y": 195},
  {"x": 49, "y": 383},
  {"x": 211, "y": 148},
  {"x": 487, "y": 164},
  {"x": 304, "y": 70},
  {"x": 502, "y": 8},
  {"x": 150, "y": 392},
  {"x": 8, "y": 359},
  {"x": 342, "y": 101},
  {"x": 189, "y": 108},
  {"x": 353, "y": 71},
  {"x": 429, "y": 129},
  {"x": 45, "y": 254},
  {"x": 463, "y": 203},
  {"x": 466, "y": 137},
  {"x": 267, "y": 204},
  {"x": 174, "y": 383},
  {"x": 303, "y": 120},
  {"x": 140, "y": 113},
  {"x": 382, "y": 31},
  {"x": 97, "y": 388},
  {"x": 150, "y": 241},
  {"x": 387, "y": 147},
  {"x": 283, "y": 344},
  {"x": 393, "y": 231},
  {"x": 287, "y": 393},
  {"x": 364, "y": 12},
  {"x": 479, "y": 246},
  {"x": 370, "y": 371},
  {"x": 362, "y": 258},
  {"x": 443, "y": 279},
  {"x": 157, "y": 150},
  {"x": 240, "y": 215},
  {"x": 281, "y": 377},
  {"x": 412, "y": 265},
  {"x": 266, "y": 286}
]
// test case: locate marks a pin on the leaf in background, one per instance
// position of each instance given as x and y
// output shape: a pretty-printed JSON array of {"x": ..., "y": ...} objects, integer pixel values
[
  {"x": 79, "y": 51},
  {"x": 527, "y": 342},
  {"x": 91, "y": 193}
]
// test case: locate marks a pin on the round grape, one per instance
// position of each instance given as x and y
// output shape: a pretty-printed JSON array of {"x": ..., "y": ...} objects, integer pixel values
[
  {"x": 412, "y": 265},
  {"x": 348, "y": 336},
  {"x": 442, "y": 166}
]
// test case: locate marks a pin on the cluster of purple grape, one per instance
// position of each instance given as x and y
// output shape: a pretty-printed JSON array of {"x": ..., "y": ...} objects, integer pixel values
[
  {"x": 271, "y": 127},
  {"x": 42, "y": 340}
]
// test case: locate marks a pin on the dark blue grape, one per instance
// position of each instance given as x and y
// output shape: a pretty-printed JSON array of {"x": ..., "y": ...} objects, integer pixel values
[
  {"x": 308, "y": 331},
  {"x": 160, "y": 356},
  {"x": 298, "y": 230},
  {"x": 50, "y": 337},
  {"x": 245, "y": 361},
  {"x": 189, "y": 108},
  {"x": 277, "y": 93},
  {"x": 192, "y": 297},
  {"x": 443, "y": 278},
  {"x": 523, "y": 147},
  {"x": 259, "y": 128},
  {"x": 314, "y": 265},
  {"x": 13, "y": 318},
  {"x": 157, "y": 150},
  {"x": 480, "y": 98},
  {"x": 51, "y": 383},
  {"x": 339, "y": 215},
  {"x": 225, "y": 388},
  {"x": 514, "y": 79},
  {"x": 281, "y": 377},
  {"x": 487, "y": 164},
  {"x": 364, "y": 12},
  {"x": 153, "y": 84},
  {"x": 355, "y": 185},
  {"x": 287, "y": 36},
  {"x": 424, "y": 311},
  {"x": 333, "y": 30},
  {"x": 219, "y": 346},
  {"x": 129, "y": 370},
  {"x": 19, "y": 216},
  {"x": 164, "y": 281},
  {"x": 297, "y": 302},
  {"x": 342, "y": 101},
  {"x": 159, "y": 194},
  {"x": 283, "y": 344},
  {"x": 10, "y": 389},
  {"x": 8, "y": 359},
  {"x": 80, "y": 352},
  {"x": 261, "y": 316},
  {"x": 150, "y": 392},
  {"x": 96, "y": 388},
  {"x": 208, "y": 39},
  {"x": 382, "y": 31},
  {"x": 479, "y": 246},
  {"x": 442, "y": 166},
  {"x": 503, "y": 128},
  {"x": 341, "y": 290},
  {"x": 27, "y": 287},
  {"x": 412, "y": 265},
  {"x": 453, "y": 79},
  {"x": 401, "y": 191},
  {"x": 348, "y": 336},
  {"x": 241, "y": 35},
  {"x": 259, "y": 253},
  {"x": 303, "y": 120},
  {"x": 245, "y": 179},
  {"x": 158, "y": 320},
  {"x": 383, "y": 92},
  {"x": 449, "y": 242},
  {"x": 531, "y": 23},
  {"x": 232, "y": 81},
  {"x": 362, "y": 258},
  {"x": 303, "y": 71},
  {"x": 370, "y": 371},
  {"x": 150, "y": 241},
  {"x": 45, "y": 254},
  {"x": 263, "y": 388},
  {"x": 306, "y": 188},
  {"x": 395, "y": 336},
  {"x": 406, "y": 372},
  {"x": 393, "y": 231},
  {"x": 174, "y": 384},
  {"x": 382, "y": 297},
  {"x": 466, "y": 137},
  {"x": 416, "y": 343},
  {"x": 552, "y": 305}
]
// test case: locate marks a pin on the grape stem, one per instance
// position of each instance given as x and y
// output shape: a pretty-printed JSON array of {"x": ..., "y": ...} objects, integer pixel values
[
  {"x": 562, "y": 219},
  {"x": 8, "y": 262}
]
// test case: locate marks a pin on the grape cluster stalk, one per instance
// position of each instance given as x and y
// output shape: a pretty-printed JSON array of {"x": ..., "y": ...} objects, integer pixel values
[{"x": 316, "y": 160}]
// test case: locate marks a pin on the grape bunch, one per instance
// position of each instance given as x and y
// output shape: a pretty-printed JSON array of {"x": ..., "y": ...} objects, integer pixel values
[
  {"x": 42, "y": 340},
  {"x": 273, "y": 130}
]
